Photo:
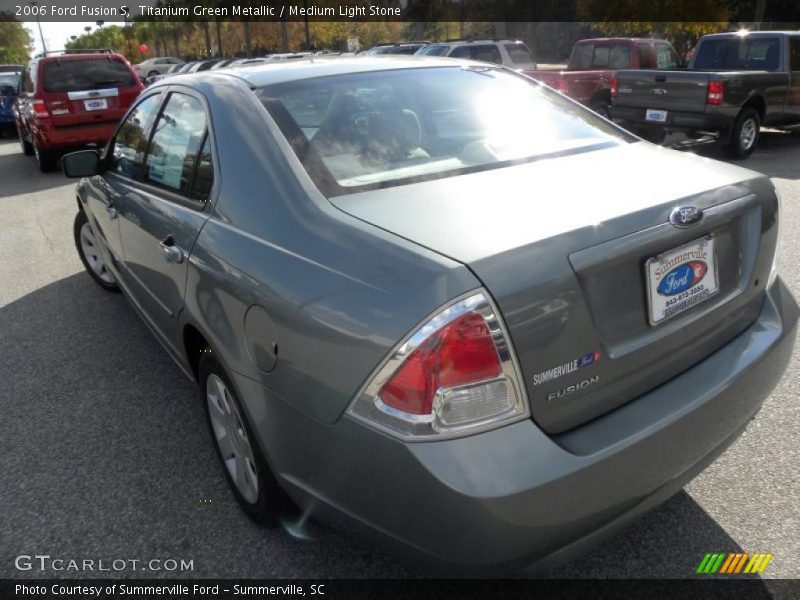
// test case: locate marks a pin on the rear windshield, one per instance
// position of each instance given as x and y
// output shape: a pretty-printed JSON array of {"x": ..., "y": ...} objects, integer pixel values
[
  {"x": 9, "y": 80},
  {"x": 91, "y": 74},
  {"x": 519, "y": 53},
  {"x": 601, "y": 56},
  {"x": 368, "y": 130},
  {"x": 738, "y": 54}
]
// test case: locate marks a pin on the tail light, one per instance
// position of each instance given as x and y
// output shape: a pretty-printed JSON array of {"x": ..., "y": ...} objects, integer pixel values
[
  {"x": 614, "y": 87},
  {"x": 715, "y": 91},
  {"x": 562, "y": 85},
  {"x": 40, "y": 110},
  {"x": 453, "y": 375}
]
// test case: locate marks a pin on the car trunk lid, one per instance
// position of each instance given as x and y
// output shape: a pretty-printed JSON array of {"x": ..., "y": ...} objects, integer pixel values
[{"x": 563, "y": 257}]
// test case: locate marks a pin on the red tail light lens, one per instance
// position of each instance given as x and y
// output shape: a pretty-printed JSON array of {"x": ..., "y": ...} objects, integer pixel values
[
  {"x": 614, "y": 87},
  {"x": 40, "y": 110},
  {"x": 460, "y": 353},
  {"x": 454, "y": 374},
  {"x": 716, "y": 90}
]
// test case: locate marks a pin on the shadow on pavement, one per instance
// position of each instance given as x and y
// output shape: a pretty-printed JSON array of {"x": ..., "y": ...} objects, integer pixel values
[
  {"x": 105, "y": 453},
  {"x": 27, "y": 178}
]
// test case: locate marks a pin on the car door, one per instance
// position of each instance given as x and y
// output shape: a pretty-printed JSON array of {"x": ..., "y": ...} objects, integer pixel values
[
  {"x": 166, "y": 211},
  {"x": 124, "y": 161}
]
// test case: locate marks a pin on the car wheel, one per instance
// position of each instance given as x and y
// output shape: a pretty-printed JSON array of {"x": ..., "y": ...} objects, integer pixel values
[
  {"x": 745, "y": 134},
  {"x": 152, "y": 73},
  {"x": 602, "y": 108},
  {"x": 44, "y": 158},
  {"x": 249, "y": 477},
  {"x": 27, "y": 147},
  {"x": 90, "y": 253}
]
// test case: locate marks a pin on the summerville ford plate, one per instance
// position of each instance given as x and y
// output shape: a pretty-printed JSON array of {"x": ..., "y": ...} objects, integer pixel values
[{"x": 681, "y": 278}]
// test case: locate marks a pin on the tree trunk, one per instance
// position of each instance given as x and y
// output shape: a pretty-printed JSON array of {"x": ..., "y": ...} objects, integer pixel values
[
  {"x": 247, "y": 42},
  {"x": 219, "y": 39},
  {"x": 207, "y": 32},
  {"x": 284, "y": 37}
]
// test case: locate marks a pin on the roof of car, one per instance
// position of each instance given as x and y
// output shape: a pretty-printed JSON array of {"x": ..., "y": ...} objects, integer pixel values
[{"x": 307, "y": 68}]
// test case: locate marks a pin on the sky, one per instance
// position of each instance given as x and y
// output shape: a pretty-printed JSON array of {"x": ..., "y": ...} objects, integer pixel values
[{"x": 55, "y": 34}]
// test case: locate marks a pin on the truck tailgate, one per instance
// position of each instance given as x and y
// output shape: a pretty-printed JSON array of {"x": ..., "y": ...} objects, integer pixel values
[{"x": 663, "y": 90}]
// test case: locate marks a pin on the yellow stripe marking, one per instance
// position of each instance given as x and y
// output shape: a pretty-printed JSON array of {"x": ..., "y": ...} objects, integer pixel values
[
  {"x": 753, "y": 564},
  {"x": 765, "y": 563}
]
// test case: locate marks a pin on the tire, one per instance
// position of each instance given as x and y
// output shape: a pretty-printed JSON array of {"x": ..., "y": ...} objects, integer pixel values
[
  {"x": 259, "y": 495},
  {"x": 744, "y": 135},
  {"x": 602, "y": 108},
  {"x": 91, "y": 257},
  {"x": 27, "y": 147},
  {"x": 45, "y": 159},
  {"x": 152, "y": 74}
]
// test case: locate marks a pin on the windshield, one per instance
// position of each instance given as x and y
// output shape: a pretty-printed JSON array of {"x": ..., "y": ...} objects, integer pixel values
[
  {"x": 739, "y": 54},
  {"x": 79, "y": 75},
  {"x": 362, "y": 131}
]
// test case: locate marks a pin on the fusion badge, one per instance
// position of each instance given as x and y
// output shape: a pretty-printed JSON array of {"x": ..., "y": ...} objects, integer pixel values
[{"x": 566, "y": 368}]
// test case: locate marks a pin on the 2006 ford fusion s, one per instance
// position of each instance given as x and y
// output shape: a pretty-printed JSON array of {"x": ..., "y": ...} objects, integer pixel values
[{"x": 437, "y": 300}]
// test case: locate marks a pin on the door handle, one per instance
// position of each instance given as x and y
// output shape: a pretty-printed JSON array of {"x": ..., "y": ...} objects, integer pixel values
[
  {"x": 172, "y": 253},
  {"x": 112, "y": 211}
]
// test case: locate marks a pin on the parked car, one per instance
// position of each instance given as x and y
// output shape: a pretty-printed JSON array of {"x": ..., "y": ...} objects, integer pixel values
[
  {"x": 71, "y": 100},
  {"x": 156, "y": 66},
  {"x": 510, "y": 53},
  {"x": 9, "y": 90},
  {"x": 202, "y": 65},
  {"x": 593, "y": 63},
  {"x": 223, "y": 63},
  {"x": 735, "y": 84},
  {"x": 173, "y": 70},
  {"x": 403, "y": 308},
  {"x": 398, "y": 48}
]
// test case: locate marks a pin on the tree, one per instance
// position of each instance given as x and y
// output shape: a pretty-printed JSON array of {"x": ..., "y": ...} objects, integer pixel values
[{"x": 15, "y": 43}]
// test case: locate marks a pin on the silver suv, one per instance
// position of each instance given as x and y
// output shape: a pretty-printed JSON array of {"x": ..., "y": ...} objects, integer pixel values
[{"x": 513, "y": 54}]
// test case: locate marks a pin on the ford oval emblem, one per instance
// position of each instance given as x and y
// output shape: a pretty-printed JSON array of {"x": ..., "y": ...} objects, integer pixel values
[
  {"x": 685, "y": 216},
  {"x": 682, "y": 277}
]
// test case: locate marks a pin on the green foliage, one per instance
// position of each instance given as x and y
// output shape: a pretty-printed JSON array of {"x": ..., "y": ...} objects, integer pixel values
[{"x": 15, "y": 43}]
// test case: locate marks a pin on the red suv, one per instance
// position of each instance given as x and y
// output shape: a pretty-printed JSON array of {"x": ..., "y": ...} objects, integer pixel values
[{"x": 72, "y": 100}]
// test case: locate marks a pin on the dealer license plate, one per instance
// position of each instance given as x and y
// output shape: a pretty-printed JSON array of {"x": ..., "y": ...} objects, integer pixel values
[
  {"x": 96, "y": 104},
  {"x": 681, "y": 278}
]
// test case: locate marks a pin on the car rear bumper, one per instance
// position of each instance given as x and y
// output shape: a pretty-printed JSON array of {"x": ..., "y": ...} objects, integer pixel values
[
  {"x": 73, "y": 136},
  {"x": 515, "y": 496},
  {"x": 676, "y": 120}
]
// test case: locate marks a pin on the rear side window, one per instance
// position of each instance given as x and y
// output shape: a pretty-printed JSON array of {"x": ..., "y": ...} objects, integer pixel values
[
  {"x": 488, "y": 53},
  {"x": 462, "y": 52},
  {"x": 519, "y": 53},
  {"x": 177, "y": 140},
  {"x": 80, "y": 75},
  {"x": 434, "y": 50},
  {"x": 128, "y": 152},
  {"x": 203, "y": 174},
  {"x": 666, "y": 57}
]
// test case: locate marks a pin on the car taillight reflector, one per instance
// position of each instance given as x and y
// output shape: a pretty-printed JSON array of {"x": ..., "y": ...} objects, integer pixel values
[
  {"x": 716, "y": 90},
  {"x": 614, "y": 87},
  {"x": 460, "y": 353},
  {"x": 40, "y": 109},
  {"x": 453, "y": 375}
]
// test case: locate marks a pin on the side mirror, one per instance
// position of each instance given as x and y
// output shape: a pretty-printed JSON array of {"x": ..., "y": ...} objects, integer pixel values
[{"x": 84, "y": 163}]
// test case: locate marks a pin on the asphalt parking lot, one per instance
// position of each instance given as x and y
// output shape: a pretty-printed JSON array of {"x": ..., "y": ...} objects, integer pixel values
[{"x": 104, "y": 452}]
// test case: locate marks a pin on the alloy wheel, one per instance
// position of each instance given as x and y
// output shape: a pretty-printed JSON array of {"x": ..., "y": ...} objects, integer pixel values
[
  {"x": 748, "y": 134},
  {"x": 231, "y": 437}
]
